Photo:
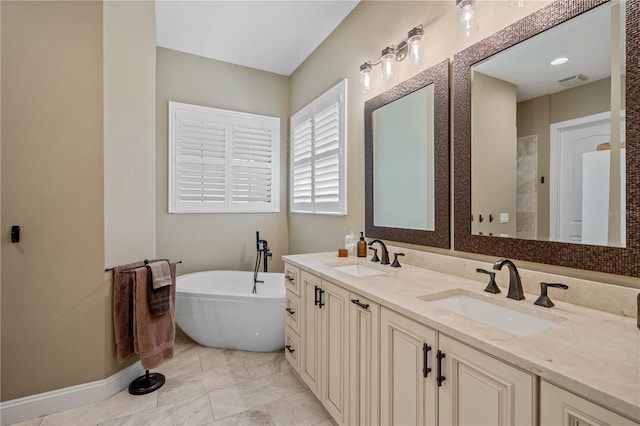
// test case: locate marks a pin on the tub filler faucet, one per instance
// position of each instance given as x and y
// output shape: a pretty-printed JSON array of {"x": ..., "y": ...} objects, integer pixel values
[{"x": 262, "y": 253}]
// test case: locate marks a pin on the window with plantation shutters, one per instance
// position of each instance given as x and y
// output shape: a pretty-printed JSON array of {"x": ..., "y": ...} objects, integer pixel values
[
  {"x": 222, "y": 161},
  {"x": 318, "y": 155}
]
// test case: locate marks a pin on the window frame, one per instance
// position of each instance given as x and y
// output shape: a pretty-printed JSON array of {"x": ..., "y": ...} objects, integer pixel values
[
  {"x": 335, "y": 95},
  {"x": 231, "y": 120}
]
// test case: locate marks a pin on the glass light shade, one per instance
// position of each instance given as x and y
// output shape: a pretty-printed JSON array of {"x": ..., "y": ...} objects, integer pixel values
[
  {"x": 388, "y": 59},
  {"x": 414, "y": 49},
  {"x": 365, "y": 77},
  {"x": 467, "y": 24}
]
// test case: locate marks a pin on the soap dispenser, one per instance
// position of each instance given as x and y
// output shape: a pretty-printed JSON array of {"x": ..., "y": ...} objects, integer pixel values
[{"x": 362, "y": 246}]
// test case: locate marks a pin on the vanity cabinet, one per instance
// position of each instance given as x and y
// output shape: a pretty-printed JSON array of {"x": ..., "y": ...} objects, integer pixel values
[
  {"x": 559, "y": 407},
  {"x": 324, "y": 343},
  {"x": 364, "y": 365},
  {"x": 428, "y": 378}
]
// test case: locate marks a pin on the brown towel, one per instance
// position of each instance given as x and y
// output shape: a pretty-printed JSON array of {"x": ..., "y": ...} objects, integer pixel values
[
  {"x": 153, "y": 336},
  {"x": 123, "y": 311},
  {"x": 160, "y": 274},
  {"x": 160, "y": 279}
]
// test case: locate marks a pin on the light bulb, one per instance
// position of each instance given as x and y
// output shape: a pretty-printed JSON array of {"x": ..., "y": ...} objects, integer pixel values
[
  {"x": 365, "y": 77},
  {"x": 414, "y": 40},
  {"x": 388, "y": 59},
  {"x": 467, "y": 24}
]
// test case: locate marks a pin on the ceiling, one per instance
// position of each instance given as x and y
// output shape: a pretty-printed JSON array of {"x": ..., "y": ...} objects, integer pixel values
[
  {"x": 274, "y": 36},
  {"x": 585, "y": 40}
]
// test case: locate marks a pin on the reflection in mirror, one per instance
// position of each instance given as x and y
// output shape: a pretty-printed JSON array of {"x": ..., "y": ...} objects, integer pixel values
[
  {"x": 613, "y": 258},
  {"x": 548, "y": 134},
  {"x": 407, "y": 161},
  {"x": 407, "y": 165}
]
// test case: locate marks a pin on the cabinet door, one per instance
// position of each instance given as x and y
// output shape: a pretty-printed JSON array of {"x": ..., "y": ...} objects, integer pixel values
[
  {"x": 481, "y": 390},
  {"x": 406, "y": 396},
  {"x": 561, "y": 408},
  {"x": 364, "y": 350},
  {"x": 334, "y": 307},
  {"x": 310, "y": 334}
]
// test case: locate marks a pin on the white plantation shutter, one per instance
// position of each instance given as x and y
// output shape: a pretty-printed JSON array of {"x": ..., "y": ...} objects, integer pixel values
[
  {"x": 222, "y": 161},
  {"x": 318, "y": 155}
]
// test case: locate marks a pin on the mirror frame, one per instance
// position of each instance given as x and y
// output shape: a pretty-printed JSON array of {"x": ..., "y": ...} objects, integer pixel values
[
  {"x": 438, "y": 75},
  {"x": 613, "y": 260}
]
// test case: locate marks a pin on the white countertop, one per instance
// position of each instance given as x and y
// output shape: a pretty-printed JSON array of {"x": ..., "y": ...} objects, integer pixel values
[{"x": 592, "y": 353}]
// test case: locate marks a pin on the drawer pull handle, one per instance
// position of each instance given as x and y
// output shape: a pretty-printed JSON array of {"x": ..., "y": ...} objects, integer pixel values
[
  {"x": 320, "y": 297},
  {"x": 290, "y": 349},
  {"x": 316, "y": 299},
  {"x": 291, "y": 311},
  {"x": 425, "y": 353},
  {"x": 362, "y": 305},
  {"x": 440, "y": 378},
  {"x": 289, "y": 277}
]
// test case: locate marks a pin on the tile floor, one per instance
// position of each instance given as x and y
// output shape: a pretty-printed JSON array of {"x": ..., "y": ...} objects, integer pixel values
[{"x": 208, "y": 386}]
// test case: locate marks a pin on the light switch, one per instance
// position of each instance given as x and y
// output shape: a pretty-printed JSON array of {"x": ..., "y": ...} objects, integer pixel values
[{"x": 504, "y": 217}]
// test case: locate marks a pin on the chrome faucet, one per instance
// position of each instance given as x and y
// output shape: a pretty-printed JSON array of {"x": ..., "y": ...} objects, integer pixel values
[
  {"x": 515, "y": 284},
  {"x": 384, "y": 255}
]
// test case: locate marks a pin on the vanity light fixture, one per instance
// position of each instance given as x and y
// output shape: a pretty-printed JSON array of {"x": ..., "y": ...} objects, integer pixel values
[
  {"x": 467, "y": 24},
  {"x": 390, "y": 55},
  {"x": 559, "y": 61}
]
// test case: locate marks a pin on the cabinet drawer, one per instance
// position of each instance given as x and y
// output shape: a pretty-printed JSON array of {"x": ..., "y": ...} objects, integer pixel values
[
  {"x": 292, "y": 279},
  {"x": 293, "y": 311},
  {"x": 292, "y": 348}
]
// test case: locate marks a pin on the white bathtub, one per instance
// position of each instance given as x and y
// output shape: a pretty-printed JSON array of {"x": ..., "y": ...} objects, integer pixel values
[{"x": 217, "y": 309}]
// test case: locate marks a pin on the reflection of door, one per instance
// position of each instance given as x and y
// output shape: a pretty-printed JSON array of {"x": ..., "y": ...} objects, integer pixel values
[{"x": 569, "y": 141}]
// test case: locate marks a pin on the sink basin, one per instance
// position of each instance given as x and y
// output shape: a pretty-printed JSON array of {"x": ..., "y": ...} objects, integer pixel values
[
  {"x": 358, "y": 270},
  {"x": 489, "y": 312}
]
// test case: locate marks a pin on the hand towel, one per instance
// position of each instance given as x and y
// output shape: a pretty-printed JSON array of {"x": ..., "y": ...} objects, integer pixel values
[
  {"x": 160, "y": 274},
  {"x": 123, "y": 311},
  {"x": 153, "y": 336},
  {"x": 159, "y": 292}
]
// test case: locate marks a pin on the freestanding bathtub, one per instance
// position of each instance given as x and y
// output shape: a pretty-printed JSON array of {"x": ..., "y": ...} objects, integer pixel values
[{"x": 218, "y": 309}]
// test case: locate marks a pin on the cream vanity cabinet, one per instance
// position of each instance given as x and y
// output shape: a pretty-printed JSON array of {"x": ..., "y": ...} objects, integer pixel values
[
  {"x": 324, "y": 354},
  {"x": 293, "y": 320},
  {"x": 559, "y": 407},
  {"x": 364, "y": 361},
  {"x": 427, "y": 378}
]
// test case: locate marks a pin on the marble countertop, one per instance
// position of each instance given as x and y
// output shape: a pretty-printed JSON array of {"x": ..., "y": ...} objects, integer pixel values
[{"x": 589, "y": 352}]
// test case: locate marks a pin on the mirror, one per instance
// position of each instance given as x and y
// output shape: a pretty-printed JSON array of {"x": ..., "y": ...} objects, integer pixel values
[
  {"x": 543, "y": 113},
  {"x": 550, "y": 168},
  {"x": 407, "y": 161}
]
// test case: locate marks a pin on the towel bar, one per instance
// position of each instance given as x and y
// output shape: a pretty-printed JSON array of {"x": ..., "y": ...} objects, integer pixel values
[{"x": 146, "y": 261}]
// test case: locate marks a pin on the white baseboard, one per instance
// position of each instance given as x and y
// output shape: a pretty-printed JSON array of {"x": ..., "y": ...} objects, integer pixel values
[{"x": 42, "y": 404}]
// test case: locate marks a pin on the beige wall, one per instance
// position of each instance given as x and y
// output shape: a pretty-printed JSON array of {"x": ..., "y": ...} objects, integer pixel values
[
  {"x": 53, "y": 290},
  {"x": 129, "y": 135},
  {"x": 370, "y": 27},
  {"x": 64, "y": 164},
  {"x": 493, "y": 168},
  {"x": 218, "y": 241}
]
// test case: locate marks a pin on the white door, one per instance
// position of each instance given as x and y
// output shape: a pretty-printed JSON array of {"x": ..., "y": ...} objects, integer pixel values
[{"x": 569, "y": 141}]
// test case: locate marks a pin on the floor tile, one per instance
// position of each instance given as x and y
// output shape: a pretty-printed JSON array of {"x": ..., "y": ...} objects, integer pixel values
[
  {"x": 193, "y": 412},
  {"x": 255, "y": 416},
  {"x": 32, "y": 422},
  {"x": 236, "y": 399},
  {"x": 122, "y": 403},
  {"x": 267, "y": 366},
  {"x": 298, "y": 409},
  {"x": 193, "y": 385}
]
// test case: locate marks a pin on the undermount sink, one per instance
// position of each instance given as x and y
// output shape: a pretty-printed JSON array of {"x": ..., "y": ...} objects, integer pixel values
[
  {"x": 358, "y": 270},
  {"x": 493, "y": 313}
]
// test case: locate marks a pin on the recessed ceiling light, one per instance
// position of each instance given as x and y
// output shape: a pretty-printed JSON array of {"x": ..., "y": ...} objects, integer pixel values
[{"x": 559, "y": 61}]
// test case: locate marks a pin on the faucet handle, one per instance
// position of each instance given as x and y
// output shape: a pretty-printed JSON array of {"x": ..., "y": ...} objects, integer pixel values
[
  {"x": 375, "y": 257},
  {"x": 395, "y": 263},
  {"x": 492, "y": 287},
  {"x": 544, "y": 300}
]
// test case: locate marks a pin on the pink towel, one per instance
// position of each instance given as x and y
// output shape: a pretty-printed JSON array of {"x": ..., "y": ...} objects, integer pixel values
[
  {"x": 153, "y": 336},
  {"x": 123, "y": 311}
]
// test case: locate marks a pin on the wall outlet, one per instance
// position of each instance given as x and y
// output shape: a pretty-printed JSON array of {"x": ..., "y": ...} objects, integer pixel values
[{"x": 504, "y": 217}]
